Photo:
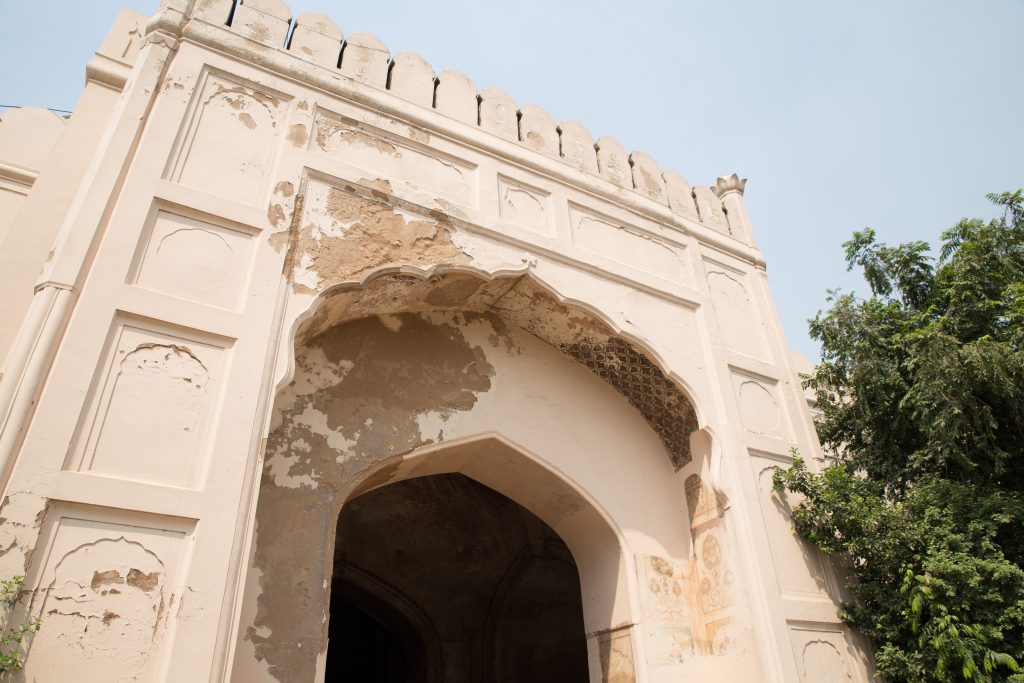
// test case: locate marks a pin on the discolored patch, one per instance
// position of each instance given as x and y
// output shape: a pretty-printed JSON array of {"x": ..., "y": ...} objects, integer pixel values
[
  {"x": 297, "y": 135},
  {"x": 100, "y": 579},
  {"x": 355, "y": 398},
  {"x": 276, "y": 215},
  {"x": 350, "y": 235},
  {"x": 397, "y": 374},
  {"x": 142, "y": 580},
  {"x": 325, "y": 129}
]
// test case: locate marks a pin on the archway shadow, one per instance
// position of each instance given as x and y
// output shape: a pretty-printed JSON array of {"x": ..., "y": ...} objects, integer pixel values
[
  {"x": 456, "y": 569},
  {"x": 496, "y": 462}
]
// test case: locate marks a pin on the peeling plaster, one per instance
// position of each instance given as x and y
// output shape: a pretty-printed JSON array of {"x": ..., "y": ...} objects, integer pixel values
[
  {"x": 359, "y": 393},
  {"x": 343, "y": 235},
  {"x": 107, "y": 597},
  {"x": 297, "y": 135}
]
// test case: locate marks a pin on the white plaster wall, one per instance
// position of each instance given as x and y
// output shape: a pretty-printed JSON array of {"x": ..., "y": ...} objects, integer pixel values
[
  {"x": 27, "y": 136},
  {"x": 60, "y": 151}
]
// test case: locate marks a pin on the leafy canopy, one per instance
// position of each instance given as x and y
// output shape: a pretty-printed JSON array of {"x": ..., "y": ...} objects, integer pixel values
[{"x": 921, "y": 393}]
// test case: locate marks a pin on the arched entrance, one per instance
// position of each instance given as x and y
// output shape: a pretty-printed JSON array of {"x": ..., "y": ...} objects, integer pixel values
[
  {"x": 407, "y": 376},
  {"x": 440, "y": 578}
]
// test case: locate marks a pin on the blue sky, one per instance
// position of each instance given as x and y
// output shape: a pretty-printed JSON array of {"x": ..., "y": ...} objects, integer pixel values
[{"x": 900, "y": 116}]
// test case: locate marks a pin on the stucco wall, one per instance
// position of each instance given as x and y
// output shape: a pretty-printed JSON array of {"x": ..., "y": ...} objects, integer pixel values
[{"x": 40, "y": 145}]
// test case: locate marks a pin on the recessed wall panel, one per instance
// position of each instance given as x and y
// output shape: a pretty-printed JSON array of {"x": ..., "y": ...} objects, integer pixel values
[
  {"x": 611, "y": 239},
  {"x": 395, "y": 160},
  {"x": 108, "y": 583},
  {"x": 229, "y": 143},
  {"x": 150, "y": 415},
  {"x": 195, "y": 260}
]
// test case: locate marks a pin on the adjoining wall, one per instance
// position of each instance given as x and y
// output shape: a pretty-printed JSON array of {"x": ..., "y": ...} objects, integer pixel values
[
  {"x": 26, "y": 138},
  {"x": 252, "y": 205},
  {"x": 36, "y": 143}
]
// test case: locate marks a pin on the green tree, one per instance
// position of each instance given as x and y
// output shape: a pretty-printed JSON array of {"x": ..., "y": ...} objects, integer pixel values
[{"x": 921, "y": 392}]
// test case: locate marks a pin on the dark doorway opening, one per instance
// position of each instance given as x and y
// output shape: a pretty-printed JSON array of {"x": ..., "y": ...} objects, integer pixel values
[
  {"x": 362, "y": 647},
  {"x": 443, "y": 579}
]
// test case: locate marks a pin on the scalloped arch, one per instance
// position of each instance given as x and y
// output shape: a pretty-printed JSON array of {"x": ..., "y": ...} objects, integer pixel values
[{"x": 576, "y": 328}]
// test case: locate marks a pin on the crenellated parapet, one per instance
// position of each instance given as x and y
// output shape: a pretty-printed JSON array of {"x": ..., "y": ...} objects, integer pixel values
[{"x": 363, "y": 58}]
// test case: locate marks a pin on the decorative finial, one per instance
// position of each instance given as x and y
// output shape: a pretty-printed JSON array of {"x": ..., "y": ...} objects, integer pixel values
[{"x": 726, "y": 184}]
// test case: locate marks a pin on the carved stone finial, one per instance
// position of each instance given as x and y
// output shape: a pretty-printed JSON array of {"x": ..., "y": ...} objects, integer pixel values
[{"x": 726, "y": 184}]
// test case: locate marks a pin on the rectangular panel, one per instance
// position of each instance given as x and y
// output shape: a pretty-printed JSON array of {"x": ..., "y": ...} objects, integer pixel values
[
  {"x": 672, "y": 615},
  {"x": 344, "y": 234},
  {"x": 395, "y": 160},
  {"x": 230, "y": 140},
  {"x": 798, "y": 565},
  {"x": 151, "y": 408},
  {"x": 194, "y": 259},
  {"x": 821, "y": 652},
  {"x": 761, "y": 409},
  {"x": 107, "y": 582},
  {"x": 615, "y": 651},
  {"x": 525, "y": 207},
  {"x": 618, "y": 242},
  {"x": 734, "y": 310}
]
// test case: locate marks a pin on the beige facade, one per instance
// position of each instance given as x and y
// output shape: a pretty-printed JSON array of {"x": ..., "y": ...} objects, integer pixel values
[{"x": 322, "y": 338}]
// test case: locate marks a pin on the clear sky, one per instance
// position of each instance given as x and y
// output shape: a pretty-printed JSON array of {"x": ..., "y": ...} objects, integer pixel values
[{"x": 896, "y": 115}]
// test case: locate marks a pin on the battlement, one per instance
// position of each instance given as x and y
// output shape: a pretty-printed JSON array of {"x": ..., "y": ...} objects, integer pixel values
[{"x": 363, "y": 58}]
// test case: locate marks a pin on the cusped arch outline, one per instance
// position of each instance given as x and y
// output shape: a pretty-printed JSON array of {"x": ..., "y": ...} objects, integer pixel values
[{"x": 580, "y": 330}]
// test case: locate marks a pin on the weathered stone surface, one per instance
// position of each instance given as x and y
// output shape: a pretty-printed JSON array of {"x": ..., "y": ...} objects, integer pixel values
[
  {"x": 647, "y": 178},
  {"x": 265, "y": 21},
  {"x": 498, "y": 114},
  {"x": 577, "y": 146},
  {"x": 537, "y": 130},
  {"x": 709, "y": 206},
  {"x": 456, "y": 97},
  {"x": 412, "y": 79},
  {"x": 680, "y": 195},
  {"x": 614, "y": 162},
  {"x": 365, "y": 59},
  {"x": 316, "y": 38},
  {"x": 213, "y": 11}
]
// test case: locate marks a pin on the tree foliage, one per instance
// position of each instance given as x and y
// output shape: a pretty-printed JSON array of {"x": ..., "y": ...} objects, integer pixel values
[{"x": 921, "y": 393}]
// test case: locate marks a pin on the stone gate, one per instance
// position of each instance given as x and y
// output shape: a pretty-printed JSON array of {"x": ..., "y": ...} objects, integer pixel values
[{"x": 336, "y": 362}]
